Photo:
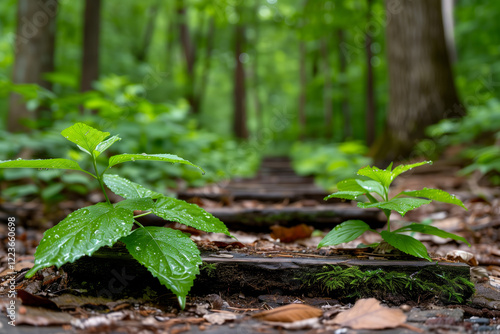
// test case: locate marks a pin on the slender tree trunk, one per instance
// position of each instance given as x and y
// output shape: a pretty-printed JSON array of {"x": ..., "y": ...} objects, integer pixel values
[
  {"x": 34, "y": 56},
  {"x": 302, "y": 76},
  {"x": 327, "y": 88},
  {"x": 142, "y": 52},
  {"x": 370, "y": 94},
  {"x": 255, "y": 70},
  {"x": 239, "y": 124},
  {"x": 171, "y": 36},
  {"x": 303, "y": 90},
  {"x": 189, "y": 52},
  {"x": 422, "y": 90},
  {"x": 91, "y": 37},
  {"x": 207, "y": 61},
  {"x": 344, "y": 102}
]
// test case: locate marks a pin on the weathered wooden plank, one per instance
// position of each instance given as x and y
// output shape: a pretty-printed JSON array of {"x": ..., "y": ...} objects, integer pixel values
[
  {"x": 294, "y": 274},
  {"x": 260, "y": 219}
]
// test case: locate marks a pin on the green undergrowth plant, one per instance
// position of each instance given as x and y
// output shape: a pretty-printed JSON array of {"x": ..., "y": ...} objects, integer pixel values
[
  {"x": 375, "y": 189},
  {"x": 352, "y": 282},
  {"x": 170, "y": 255}
]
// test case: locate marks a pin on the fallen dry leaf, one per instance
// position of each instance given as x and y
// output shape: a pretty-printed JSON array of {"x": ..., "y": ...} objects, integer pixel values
[
  {"x": 36, "y": 316},
  {"x": 369, "y": 314},
  {"x": 29, "y": 299},
  {"x": 290, "y": 234},
  {"x": 18, "y": 267},
  {"x": 479, "y": 274},
  {"x": 219, "y": 318},
  {"x": 289, "y": 313},
  {"x": 495, "y": 270},
  {"x": 462, "y": 256}
]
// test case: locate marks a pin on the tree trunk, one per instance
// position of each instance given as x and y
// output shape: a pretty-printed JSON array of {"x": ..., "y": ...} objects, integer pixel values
[
  {"x": 207, "y": 61},
  {"x": 142, "y": 52},
  {"x": 255, "y": 71},
  {"x": 422, "y": 90},
  {"x": 370, "y": 94},
  {"x": 189, "y": 52},
  {"x": 346, "y": 112},
  {"x": 303, "y": 90},
  {"x": 91, "y": 31},
  {"x": 240, "y": 122},
  {"x": 34, "y": 56},
  {"x": 327, "y": 89}
]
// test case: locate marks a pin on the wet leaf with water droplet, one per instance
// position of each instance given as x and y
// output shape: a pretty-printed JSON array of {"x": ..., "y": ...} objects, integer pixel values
[
  {"x": 118, "y": 159},
  {"x": 81, "y": 233},
  {"x": 435, "y": 195},
  {"x": 188, "y": 214},
  {"x": 169, "y": 255},
  {"x": 85, "y": 137},
  {"x": 41, "y": 163}
]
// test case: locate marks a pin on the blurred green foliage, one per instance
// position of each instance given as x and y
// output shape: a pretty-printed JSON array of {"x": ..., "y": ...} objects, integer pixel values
[
  {"x": 477, "y": 132},
  {"x": 145, "y": 98},
  {"x": 329, "y": 163},
  {"x": 121, "y": 107}
]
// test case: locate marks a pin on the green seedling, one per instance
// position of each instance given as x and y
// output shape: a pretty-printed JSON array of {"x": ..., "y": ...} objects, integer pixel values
[
  {"x": 170, "y": 255},
  {"x": 376, "y": 191}
]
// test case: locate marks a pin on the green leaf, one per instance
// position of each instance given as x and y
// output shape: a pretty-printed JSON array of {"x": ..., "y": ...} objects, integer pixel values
[
  {"x": 42, "y": 163},
  {"x": 345, "y": 232},
  {"x": 372, "y": 186},
  {"x": 386, "y": 176},
  {"x": 128, "y": 189},
  {"x": 350, "y": 185},
  {"x": 351, "y": 195},
  {"x": 401, "y": 205},
  {"x": 105, "y": 145},
  {"x": 382, "y": 176},
  {"x": 406, "y": 244},
  {"x": 404, "y": 168},
  {"x": 82, "y": 233},
  {"x": 170, "y": 255},
  {"x": 118, "y": 159},
  {"x": 435, "y": 195},
  {"x": 86, "y": 137},
  {"x": 188, "y": 214},
  {"x": 427, "y": 229},
  {"x": 132, "y": 204},
  {"x": 361, "y": 187}
]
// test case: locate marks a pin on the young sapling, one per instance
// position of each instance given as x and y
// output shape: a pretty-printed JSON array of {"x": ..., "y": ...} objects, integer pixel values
[
  {"x": 170, "y": 255},
  {"x": 376, "y": 191}
]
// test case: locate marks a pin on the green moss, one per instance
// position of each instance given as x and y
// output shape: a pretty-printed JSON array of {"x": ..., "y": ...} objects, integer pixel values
[
  {"x": 209, "y": 268},
  {"x": 352, "y": 282}
]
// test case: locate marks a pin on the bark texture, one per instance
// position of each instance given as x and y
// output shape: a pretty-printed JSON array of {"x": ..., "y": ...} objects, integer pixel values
[
  {"x": 240, "y": 118},
  {"x": 91, "y": 31},
  {"x": 422, "y": 90},
  {"x": 34, "y": 56},
  {"x": 370, "y": 86}
]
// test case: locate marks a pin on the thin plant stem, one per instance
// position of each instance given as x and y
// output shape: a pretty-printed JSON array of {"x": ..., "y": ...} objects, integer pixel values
[
  {"x": 99, "y": 178},
  {"x": 141, "y": 215}
]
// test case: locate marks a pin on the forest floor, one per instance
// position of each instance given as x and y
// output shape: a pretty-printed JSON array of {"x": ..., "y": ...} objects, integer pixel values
[{"x": 60, "y": 301}]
